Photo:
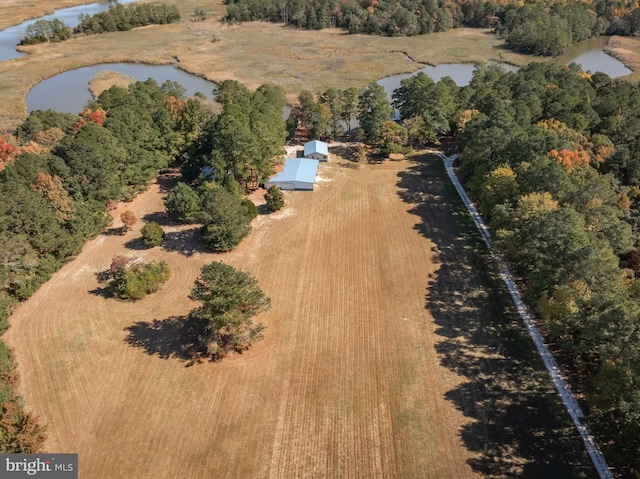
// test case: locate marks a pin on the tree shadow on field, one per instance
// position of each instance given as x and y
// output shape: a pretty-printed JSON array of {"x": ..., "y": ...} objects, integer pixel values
[
  {"x": 518, "y": 426},
  {"x": 102, "y": 291},
  {"x": 159, "y": 217},
  {"x": 114, "y": 231},
  {"x": 176, "y": 337},
  {"x": 186, "y": 242},
  {"x": 343, "y": 151},
  {"x": 168, "y": 179},
  {"x": 136, "y": 244}
]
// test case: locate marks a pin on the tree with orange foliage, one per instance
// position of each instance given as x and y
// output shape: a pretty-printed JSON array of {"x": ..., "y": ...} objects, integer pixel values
[
  {"x": 570, "y": 159},
  {"x": 56, "y": 196},
  {"x": 128, "y": 220},
  {"x": 20, "y": 432},
  {"x": 96, "y": 116},
  {"x": 7, "y": 152}
]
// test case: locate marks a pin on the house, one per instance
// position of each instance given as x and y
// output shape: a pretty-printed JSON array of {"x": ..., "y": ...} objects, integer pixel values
[
  {"x": 318, "y": 150},
  {"x": 298, "y": 174}
]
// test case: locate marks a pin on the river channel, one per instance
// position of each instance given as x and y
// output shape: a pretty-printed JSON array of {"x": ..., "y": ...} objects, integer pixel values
[
  {"x": 68, "y": 92},
  {"x": 10, "y": 37}
]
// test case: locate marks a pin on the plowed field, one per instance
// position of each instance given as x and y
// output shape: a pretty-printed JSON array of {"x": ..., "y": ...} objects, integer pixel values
[{"x": 353, "y": 379}]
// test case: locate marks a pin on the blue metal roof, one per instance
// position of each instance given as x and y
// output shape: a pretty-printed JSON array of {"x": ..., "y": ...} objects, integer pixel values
[
  {"x": 316, "y": 146},
  {"x": 297, "y": 169}
]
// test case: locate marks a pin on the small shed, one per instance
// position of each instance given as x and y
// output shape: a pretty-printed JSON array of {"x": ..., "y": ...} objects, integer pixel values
[
  {"x": 316, "y": 149},
  {"x": 298, "y": 174}
]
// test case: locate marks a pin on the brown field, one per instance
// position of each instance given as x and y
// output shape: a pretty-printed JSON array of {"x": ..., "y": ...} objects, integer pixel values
[
  {"x": 106, "y": 79},
  {"x": 386, "y": 353},
  {"x": 627, "y": 50}
]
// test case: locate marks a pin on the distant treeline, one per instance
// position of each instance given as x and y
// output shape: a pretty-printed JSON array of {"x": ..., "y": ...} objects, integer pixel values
[
  {"x": 538, "y": 28},
  {"x": 117, "y": 18}
]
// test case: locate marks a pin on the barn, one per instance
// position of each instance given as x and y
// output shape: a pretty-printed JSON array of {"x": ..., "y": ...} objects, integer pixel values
[
  {"x": 316, "y": 149},
  {"x": 298, "y": 174}
]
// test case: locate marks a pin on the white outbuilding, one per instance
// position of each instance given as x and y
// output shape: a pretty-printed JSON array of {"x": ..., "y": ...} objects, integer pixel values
[
  {"x": 316, "y": 149},
  {"x": 298, "y": 174}
]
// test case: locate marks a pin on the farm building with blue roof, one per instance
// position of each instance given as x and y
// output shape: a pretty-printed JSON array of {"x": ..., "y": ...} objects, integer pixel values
[
  {"x": 298, "y": 174},
  {"x": 316, "y": 149}
]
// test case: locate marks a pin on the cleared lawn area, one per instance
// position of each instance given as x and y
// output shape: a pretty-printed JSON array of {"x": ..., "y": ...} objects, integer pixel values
[{"x": 386, "y": 352}]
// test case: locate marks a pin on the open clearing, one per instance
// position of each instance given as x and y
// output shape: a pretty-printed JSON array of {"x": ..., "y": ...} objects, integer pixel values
[{"x": 385, "y": 356}]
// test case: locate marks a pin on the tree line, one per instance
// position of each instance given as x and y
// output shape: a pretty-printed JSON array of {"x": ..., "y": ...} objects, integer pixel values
[
  {"x": 539, "y": 28},
  {"x": 551, "y": 155},
  {"x": 117, "y": 18}
]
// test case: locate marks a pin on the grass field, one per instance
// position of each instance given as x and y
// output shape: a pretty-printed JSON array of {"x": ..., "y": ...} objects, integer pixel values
[{"x": 387, "y": 351}]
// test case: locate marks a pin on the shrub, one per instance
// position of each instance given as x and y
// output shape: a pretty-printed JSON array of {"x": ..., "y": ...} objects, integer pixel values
[
  {"x": 128, "y": 220},
  {"x": 250, "y": 208},
  {"x": 152, "y": 234},
  {"x": 274, "y": 198},
  {"x": 135, "y": 281}
]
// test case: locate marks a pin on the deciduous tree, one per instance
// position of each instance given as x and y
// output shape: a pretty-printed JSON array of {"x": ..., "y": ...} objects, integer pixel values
[{"x": 128, "y": 220}]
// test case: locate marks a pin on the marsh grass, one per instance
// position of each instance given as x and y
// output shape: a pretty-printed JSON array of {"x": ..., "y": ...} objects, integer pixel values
[
  {"x": 106, "y": 79},
  {"x": 253, "y": 53},
  {"x": 258, "y": 52}
]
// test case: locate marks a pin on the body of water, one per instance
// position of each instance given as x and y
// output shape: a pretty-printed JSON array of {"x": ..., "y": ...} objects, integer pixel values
[
  {"x": 10, "y": 37},
  {"x": 461, "y": 73},
  {"x": 68, "y": 92},
  {"x": 588, "y": 53}
]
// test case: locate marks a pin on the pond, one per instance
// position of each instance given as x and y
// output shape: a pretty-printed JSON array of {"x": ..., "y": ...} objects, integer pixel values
[
  {"x": 588, "y": 53},
  {"x": 461, "y": 73},
  {"x": 68, "y": 92},
  {"x": 10, "y": 37}
]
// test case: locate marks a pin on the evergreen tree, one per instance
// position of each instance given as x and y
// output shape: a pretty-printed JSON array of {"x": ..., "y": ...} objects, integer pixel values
[{"x": 230, "y": 299}]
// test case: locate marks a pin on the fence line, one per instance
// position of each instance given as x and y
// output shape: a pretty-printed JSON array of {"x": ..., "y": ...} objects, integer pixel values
[{"x": 568, "y": 399}]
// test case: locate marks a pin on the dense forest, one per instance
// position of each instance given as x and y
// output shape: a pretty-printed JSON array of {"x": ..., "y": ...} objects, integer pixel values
[
  {"x": 541, "y": 28},
  {"x": 551, "y": 155},
  {"x": 117, "y": 18}
]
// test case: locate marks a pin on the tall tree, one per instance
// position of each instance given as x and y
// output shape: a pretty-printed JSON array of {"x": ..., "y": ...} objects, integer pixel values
[
  {"x": 230, "y": 299},
  {"x": 349, "y": 105},
  {"x": 97, "y": 161},
  {"x": 373, "y": 109},
  {"x": 226, "y": 221}
]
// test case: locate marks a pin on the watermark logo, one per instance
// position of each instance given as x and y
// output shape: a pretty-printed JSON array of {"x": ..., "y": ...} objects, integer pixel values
[{"x": 45, "y": 466}]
